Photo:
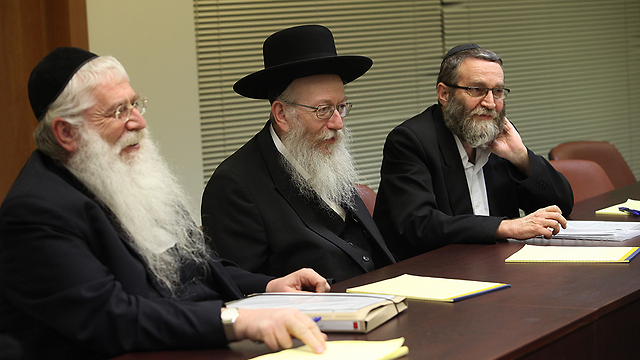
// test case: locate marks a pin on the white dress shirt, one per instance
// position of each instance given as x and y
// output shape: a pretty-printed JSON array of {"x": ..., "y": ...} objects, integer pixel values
[{"x": 475, "y": 177}]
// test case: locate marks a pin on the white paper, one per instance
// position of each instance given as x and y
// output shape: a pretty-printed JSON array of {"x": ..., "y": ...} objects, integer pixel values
[
  {"x": 310, "y": 302},
  {"x": 599, "y": 230}
]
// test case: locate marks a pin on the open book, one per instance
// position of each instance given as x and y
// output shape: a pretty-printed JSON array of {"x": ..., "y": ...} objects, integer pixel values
[{"x": 338, "y": 312}]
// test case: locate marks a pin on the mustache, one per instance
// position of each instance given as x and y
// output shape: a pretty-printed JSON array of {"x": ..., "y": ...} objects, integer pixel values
[
  {"x": 131, "y": 138},
  {"x": 484, "y": 111},
  {"x": 330, "y": 134}
]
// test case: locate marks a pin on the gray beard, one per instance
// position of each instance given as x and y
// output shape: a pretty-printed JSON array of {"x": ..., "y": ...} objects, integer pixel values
[
  {"x": 477, "y": 134},
  {"x": 332, "y": 173},
  {"x": 146, "y": 199}
]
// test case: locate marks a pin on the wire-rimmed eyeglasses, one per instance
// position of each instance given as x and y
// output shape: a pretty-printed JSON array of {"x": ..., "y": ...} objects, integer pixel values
[
  {"x": 123, "y": 112},
  {"x": 476, "y": 91},
  {"x": 325, "y": 112}
]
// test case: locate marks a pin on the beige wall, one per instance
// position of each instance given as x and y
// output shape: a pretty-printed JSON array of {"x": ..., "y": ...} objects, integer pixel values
[{"x": 155, "y": 41}]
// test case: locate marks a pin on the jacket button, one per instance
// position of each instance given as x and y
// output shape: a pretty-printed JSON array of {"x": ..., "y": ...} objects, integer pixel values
[
  {"x": 365, "y": 258},
  {"x": 350, "y": 243}
]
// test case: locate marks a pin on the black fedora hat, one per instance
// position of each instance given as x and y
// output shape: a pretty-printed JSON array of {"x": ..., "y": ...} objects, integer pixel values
[{"x": 297, "y": 52}]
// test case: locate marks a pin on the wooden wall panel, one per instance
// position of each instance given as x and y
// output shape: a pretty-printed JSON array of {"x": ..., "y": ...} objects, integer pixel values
[{"x": 29, "y": 29}]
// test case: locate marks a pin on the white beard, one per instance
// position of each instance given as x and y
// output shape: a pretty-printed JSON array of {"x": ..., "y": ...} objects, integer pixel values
[
  {"x": 146, "y": 199},
  {"x": 331, "y": 169}
]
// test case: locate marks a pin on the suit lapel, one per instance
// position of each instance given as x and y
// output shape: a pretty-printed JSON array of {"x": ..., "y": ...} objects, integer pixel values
[{"x": 452, "y": 169}]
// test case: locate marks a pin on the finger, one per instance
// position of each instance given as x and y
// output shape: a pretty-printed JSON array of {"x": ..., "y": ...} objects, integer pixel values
[
  {"x": 323, "y": 286},
  {"x": 269, "y": 339},
  {"x": 282, "y": 337},
  {"x": 302, "y": 327},
  {"x": 553, "y": 208}
]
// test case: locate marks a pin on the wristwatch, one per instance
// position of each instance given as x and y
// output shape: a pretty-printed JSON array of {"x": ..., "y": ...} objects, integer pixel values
[{"x": 229, "y": 317}]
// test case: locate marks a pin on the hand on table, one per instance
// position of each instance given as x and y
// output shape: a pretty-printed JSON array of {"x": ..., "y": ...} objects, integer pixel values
[{"x": 543, "y": 222}]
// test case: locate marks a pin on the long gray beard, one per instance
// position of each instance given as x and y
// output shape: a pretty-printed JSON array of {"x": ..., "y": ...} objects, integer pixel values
[
  {"x": 478, "y": 134},
  {"x": 331, "y": 170},
  {"x": 145, "y": 197}
]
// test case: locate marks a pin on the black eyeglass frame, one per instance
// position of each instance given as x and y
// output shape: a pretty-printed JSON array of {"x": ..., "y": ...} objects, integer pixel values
[{"x": 484, "y": 90}]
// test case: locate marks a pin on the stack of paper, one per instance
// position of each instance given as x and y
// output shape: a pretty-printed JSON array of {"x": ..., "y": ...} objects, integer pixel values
[
  {"x": 534, "y": 253},
  {"x": 429, "y": 288},
  {"x": 615, "y": 209},
  {"x": 599, "y": 230},
  {"x": 347, "y": 350}
]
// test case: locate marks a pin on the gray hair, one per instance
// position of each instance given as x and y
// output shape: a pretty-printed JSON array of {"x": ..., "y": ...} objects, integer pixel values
[
  {"x": 449, "y": 68},
  {"x": 76, "y": 98}
]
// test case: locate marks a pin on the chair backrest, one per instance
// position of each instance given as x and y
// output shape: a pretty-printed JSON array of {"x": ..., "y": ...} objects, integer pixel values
[
  {"x": 601, "y": 152},
  {"x": 586, "y": 177},
  {"x": 367, "y": 195}
]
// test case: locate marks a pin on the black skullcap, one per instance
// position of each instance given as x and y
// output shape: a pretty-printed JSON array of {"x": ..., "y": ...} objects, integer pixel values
[
  {"x": 52, "y": 74},
  {"x": 459, "y": 48}
]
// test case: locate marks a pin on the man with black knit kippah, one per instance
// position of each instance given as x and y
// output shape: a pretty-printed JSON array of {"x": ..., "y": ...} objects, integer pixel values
[
  {"x": 459, "y": 172},
  {"x": 98, "y": 253}
]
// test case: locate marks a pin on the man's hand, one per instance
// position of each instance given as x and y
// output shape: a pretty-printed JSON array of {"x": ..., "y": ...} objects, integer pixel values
[
  {"x": 301, "y": 280},
  {"x": 545, "y": 222},
  {"x": 275, "y": 327},
  {"x": 509, "y": 145}
]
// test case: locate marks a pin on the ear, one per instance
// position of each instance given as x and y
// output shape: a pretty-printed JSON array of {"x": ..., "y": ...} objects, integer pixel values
[
  {"x": 280, "y": 116},
  {"x": 443, "y": 94},
  {"x": 65, "y": 134}
]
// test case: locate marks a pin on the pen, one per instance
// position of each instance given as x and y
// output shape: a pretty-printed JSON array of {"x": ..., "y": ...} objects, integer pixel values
[
  {"x": 317, "y": 318},
  {"x": 633, "y": 212}
]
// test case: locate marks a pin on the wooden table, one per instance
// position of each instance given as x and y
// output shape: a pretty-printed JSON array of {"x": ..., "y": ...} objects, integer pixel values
[{"x": 551, "y": 311}]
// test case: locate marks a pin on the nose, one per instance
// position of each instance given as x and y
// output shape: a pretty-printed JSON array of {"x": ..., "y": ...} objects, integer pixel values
[
  {"x": 335, "y": 122},
  {"x": 488, "y": 101},
  {"x": 136, "y": 121}
]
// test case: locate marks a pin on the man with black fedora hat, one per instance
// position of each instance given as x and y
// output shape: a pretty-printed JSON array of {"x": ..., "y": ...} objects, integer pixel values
[
  {"x": 99, "y": 254},
  {"x": 459, "y": 172},
  {"x": 286, "y": 199}
]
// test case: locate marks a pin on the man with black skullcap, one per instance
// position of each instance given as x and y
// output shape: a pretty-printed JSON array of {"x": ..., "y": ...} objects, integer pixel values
[
  {"x": 459, "y": 172},
  {"x": 98, "y": 253},
  {"x": 286, "y": 199}
]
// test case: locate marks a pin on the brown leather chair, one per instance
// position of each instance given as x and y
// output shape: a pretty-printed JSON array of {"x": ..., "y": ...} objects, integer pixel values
[
  {"x": 586, "y": 177},
  {"x": 603, "y": 153},
  {"x": 368, "y": 196}
]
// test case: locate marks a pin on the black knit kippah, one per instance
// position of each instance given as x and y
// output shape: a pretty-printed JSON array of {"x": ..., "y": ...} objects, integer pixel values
[
  {"x": 52, "y": 74},
  {"x": 459, "y": 48}
]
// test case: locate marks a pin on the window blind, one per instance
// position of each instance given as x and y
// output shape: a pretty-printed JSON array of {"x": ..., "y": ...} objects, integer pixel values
[
  {"x": 573, "y": 66},
  {"x": 402, "y": 37}
]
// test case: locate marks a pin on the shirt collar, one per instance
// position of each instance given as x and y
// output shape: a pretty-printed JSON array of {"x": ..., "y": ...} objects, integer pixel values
[{"x": 482, "y": 155}]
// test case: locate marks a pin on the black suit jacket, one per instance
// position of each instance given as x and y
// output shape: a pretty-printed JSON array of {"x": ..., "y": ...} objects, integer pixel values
[
  {"x": 256, "y": 217},
  {"x": 71, "y": 287},
  {"x": 423, "y": 200}
]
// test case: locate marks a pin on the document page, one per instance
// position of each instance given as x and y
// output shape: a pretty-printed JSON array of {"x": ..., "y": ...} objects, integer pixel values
[
  {"x": 535, "y": 253},
  {"x": 615, "y": 209},
  {"x": 599, "y": 230},
  {"x": 310, "y": 302},
  {"x": 428, "y": 288},
  {"x": 347, "y": 350}
]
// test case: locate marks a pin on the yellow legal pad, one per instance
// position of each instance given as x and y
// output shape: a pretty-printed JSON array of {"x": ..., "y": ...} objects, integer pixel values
[
  {"x": 347, "y": 350},
  {"x": 428, "y": 288},
  {"x": 602, "y": 254},
  {"x": 614, "y": 210}
]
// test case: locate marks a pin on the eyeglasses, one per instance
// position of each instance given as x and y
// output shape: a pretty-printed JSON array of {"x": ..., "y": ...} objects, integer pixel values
[
  {"x": 475, "y": 91},
  {"x": 123, "y": 112},
  {"x": 325, "y": 112}
]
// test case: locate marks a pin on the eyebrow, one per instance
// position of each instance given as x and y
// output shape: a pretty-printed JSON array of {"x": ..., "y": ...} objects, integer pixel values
[{"x": 114, "y": 107}]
